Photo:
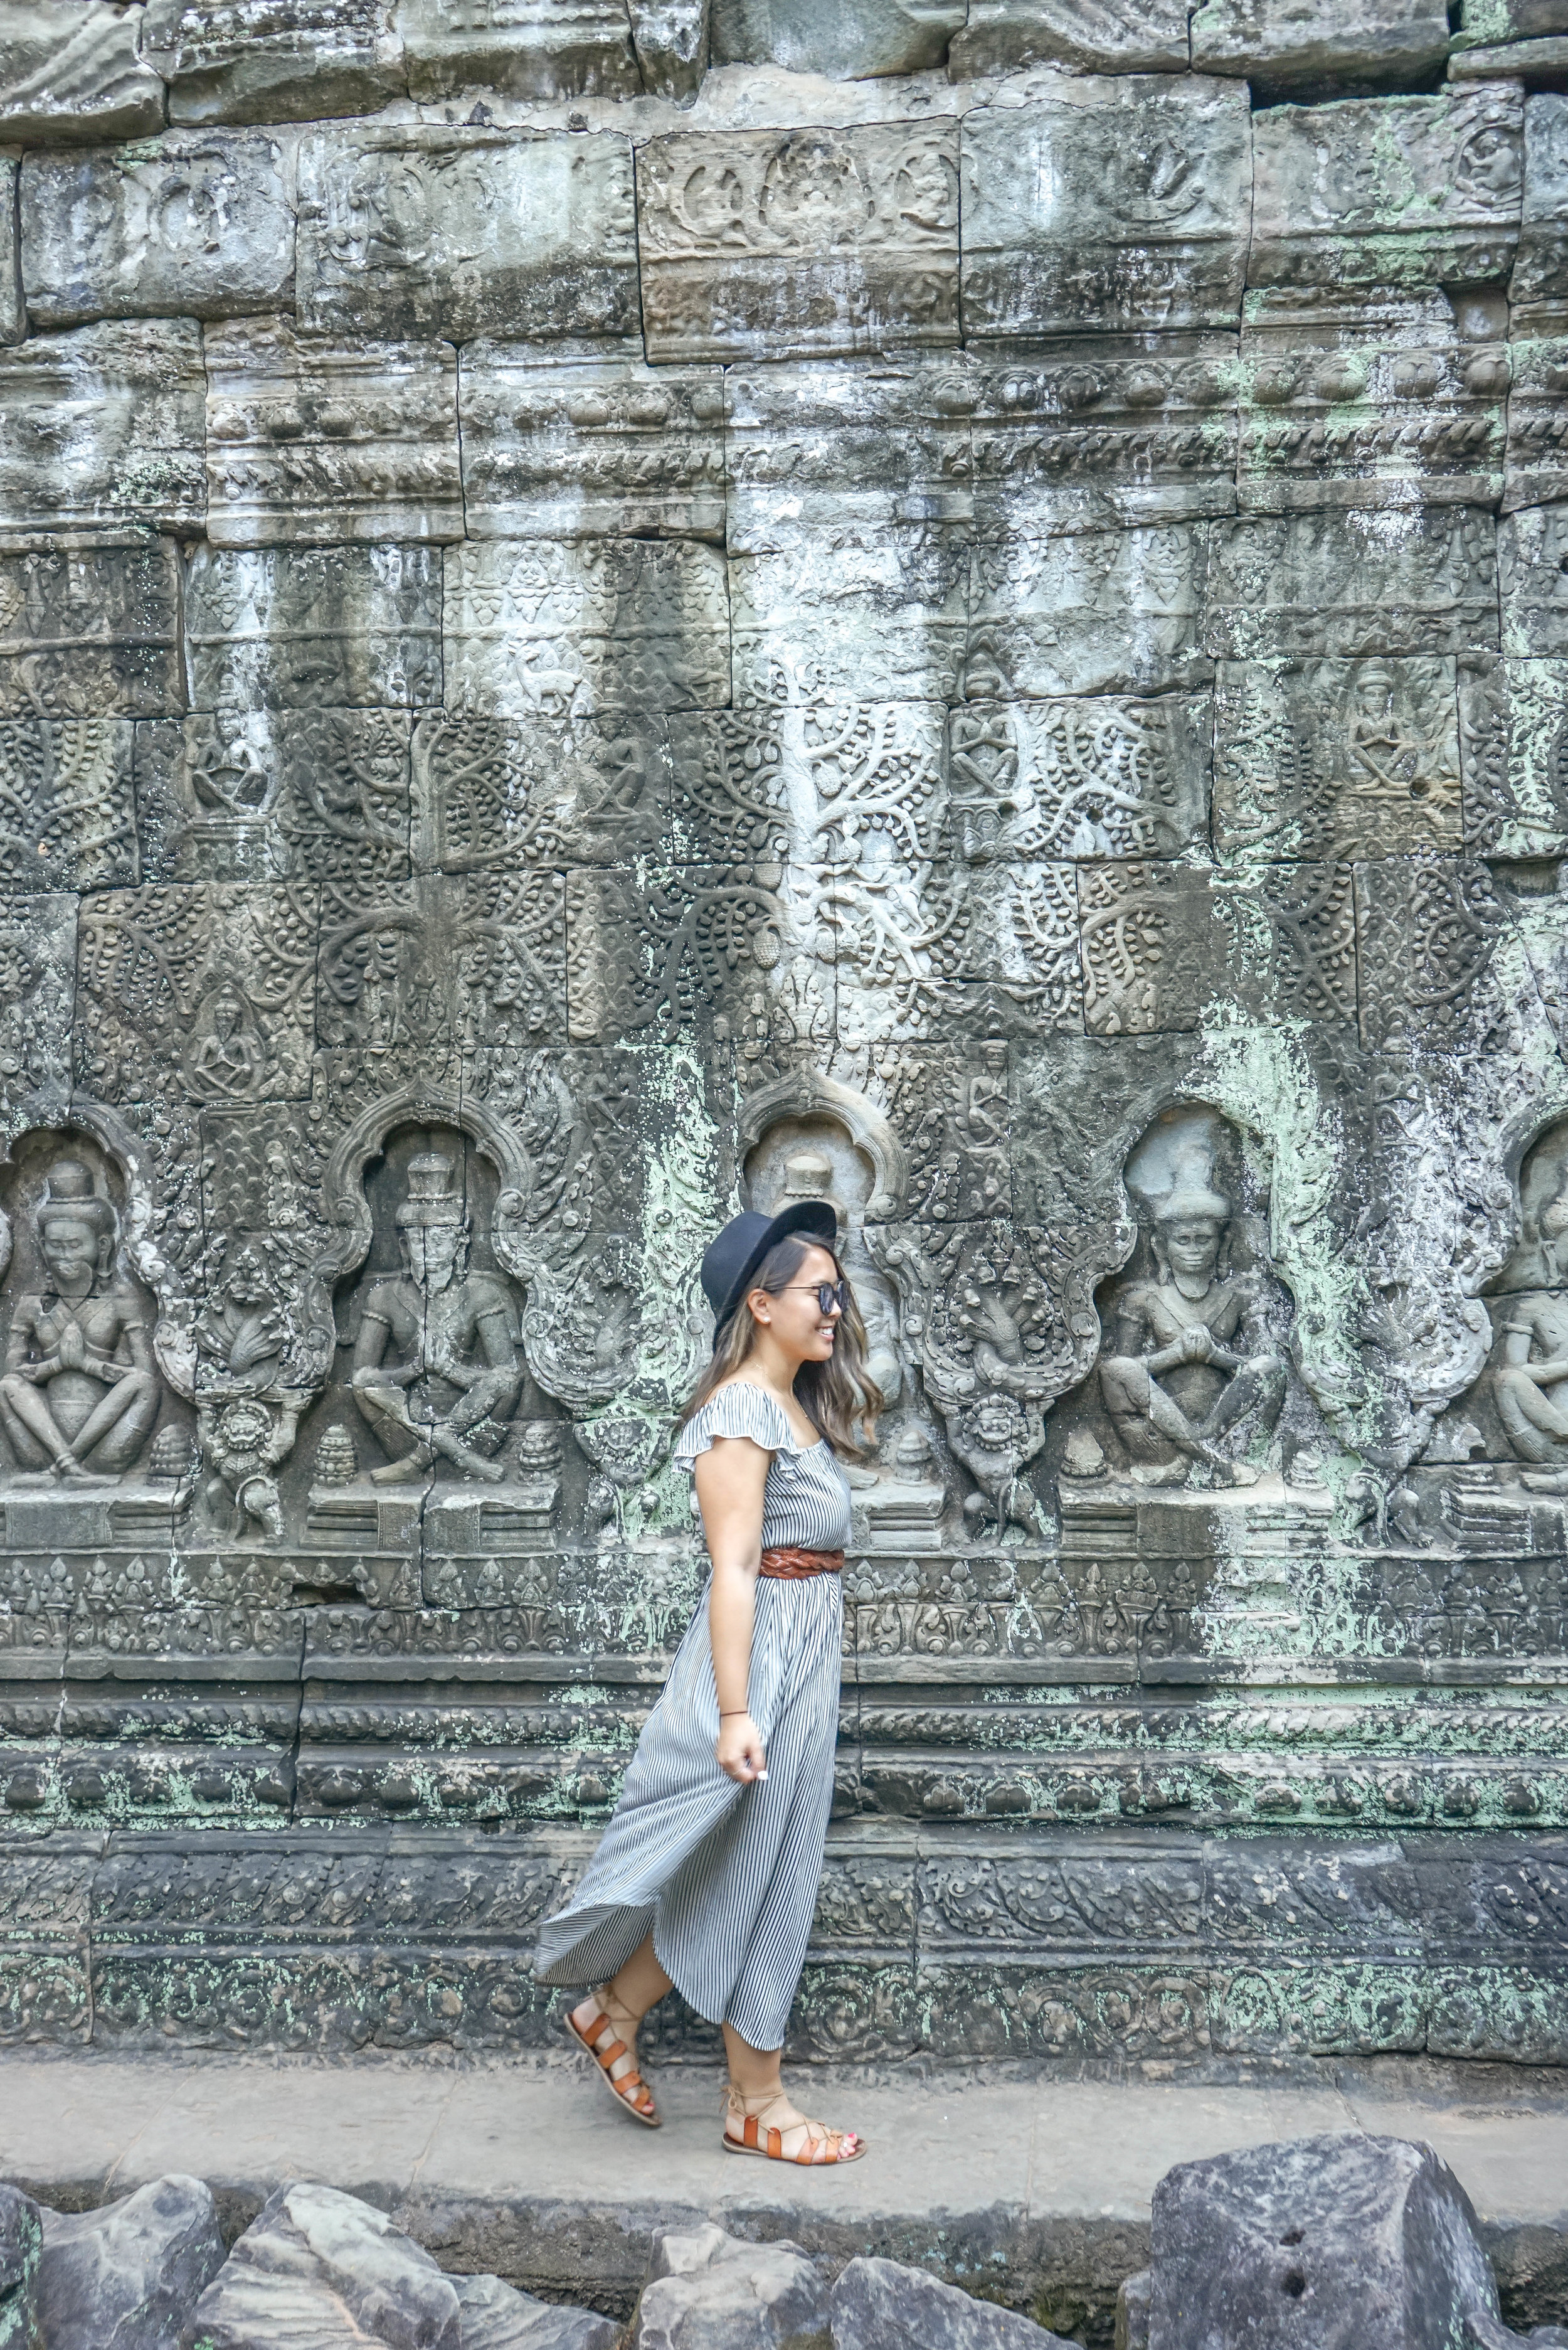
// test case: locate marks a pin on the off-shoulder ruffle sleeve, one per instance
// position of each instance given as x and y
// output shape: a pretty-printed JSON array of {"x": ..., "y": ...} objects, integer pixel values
[{"x": 738, "y": 1410}]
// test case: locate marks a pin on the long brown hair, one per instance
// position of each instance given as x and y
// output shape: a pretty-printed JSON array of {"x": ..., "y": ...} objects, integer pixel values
[{"x": 837, "y": 1395}]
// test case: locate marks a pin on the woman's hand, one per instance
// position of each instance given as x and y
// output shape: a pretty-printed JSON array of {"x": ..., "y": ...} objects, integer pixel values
[{"x": 739, "y": 1749}]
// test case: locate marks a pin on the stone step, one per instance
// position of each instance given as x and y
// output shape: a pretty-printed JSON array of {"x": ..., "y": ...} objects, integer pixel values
[{"x": 1032, "y": 2189}]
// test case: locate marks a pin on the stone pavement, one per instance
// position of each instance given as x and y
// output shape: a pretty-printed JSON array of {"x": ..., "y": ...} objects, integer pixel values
[{"x": 1033, "y": 2190}]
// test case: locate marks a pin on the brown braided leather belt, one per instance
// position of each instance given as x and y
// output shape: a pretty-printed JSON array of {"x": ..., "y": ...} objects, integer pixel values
[{"x": 793, "y": 1566}]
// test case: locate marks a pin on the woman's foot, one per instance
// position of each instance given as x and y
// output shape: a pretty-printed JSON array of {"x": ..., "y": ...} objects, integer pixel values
[
  {"x": 607, "y": 2028},
  {"x": 764, "y": 2122}
]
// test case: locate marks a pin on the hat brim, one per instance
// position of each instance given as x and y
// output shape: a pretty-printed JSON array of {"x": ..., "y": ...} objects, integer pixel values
[{"x": 817, "y": 1217}]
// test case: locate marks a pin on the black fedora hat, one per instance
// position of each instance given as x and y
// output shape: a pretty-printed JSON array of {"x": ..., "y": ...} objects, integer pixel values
[{"x": 729, "y": 1261}]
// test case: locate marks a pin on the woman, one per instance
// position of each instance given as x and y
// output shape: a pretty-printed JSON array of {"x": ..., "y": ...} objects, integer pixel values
[{"x": 707, "y": 1877}]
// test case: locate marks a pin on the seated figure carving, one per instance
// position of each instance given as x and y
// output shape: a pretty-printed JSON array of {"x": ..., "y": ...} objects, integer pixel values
[
  {"x": 452, "y": 1334},
  {"x": 1191, "y": 1359},
  {"x": 80, "y": 1392},
  {"x": 1527, "y": 1382}
]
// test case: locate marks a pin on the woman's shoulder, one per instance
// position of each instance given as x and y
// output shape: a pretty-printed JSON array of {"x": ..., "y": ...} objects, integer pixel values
[{"x": 739, "y": 1408}]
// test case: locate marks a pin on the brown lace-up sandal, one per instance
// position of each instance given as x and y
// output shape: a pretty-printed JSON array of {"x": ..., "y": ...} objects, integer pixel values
[
  {"x": 815, "y": 2146},
  {"x": 629, "y": 2090}
]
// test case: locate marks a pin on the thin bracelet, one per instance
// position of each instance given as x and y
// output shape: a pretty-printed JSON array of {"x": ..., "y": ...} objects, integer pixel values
[{"x": 734, "y": 1710}]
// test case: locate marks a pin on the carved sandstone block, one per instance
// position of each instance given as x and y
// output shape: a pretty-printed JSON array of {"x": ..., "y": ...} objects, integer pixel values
[
  {"x": 556, "y": 631},
  {"x": 91, "y": 631},
  {"x": 845, "y": 440},
  {"x": 308, "y": 440},
  {"x": 313, "y": 627},
  {"x": 273, "y": 796},
  {"x": 1092, "y": 441},
  {"x": 1532, "y": 579},
  {"x": 1106, "y": 205},
  {"x": 573, "y": 790},
  {"x": 1352, "y": 583},
  {"x": 1542, "y": 274},
  {"x": 856, "y": 786},
  {"x": 859, "y": 43},
  {"x": 858, "y": 612},
  {"x": 1093, "y": 778},
  {"x": 100, "y": 428},
  {"x": 37, "y": 993},
  {"x": 529, "y": 48},
  {"x": 1114, "y": 36},
  {"x": 1513, "y": 745},
  {"x": 1372, "y": 427},
  {"x": 204, "y": 990},
  {"x": 655, "y": 948},
  {"x": 1396, "y": 191},
  {"x": 198, "y": 226},
  {"x": 444, "y": 960},
  {"x": 273, "y": 60},
  {"x": 798, "y": 244},
  {"x": 1428, "y": 928},
  {"x": 1311, "y": 45},
  {"x": 1111, "y": 612},
  {"x": 670, "y": 38},
  {"x": 70, "y": 70},
  {"x": 66, "y": 821},
  {"x": 1162, "y": 942},
  {"x": 1537, "y": 423},
  {"x": 466, "y": 232},
  {"x": 580, "y": 449},
  {"x": 1335, "y": 758}
]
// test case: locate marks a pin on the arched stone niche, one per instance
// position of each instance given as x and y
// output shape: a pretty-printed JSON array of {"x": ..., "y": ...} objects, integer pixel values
[
  {"x": 1522, "y": 1405},
  {"x": 95, "y": 1433},
  {"x": 1192, "y": 1377}
]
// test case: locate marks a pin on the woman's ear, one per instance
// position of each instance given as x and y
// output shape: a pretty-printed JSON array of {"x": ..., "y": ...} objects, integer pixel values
[{"x": 760, "y": 1305}]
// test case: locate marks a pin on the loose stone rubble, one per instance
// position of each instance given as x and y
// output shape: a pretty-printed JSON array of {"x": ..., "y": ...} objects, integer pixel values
[
  {"x": 129, "y": 2276},
  {"x": 610, "y": 611}
]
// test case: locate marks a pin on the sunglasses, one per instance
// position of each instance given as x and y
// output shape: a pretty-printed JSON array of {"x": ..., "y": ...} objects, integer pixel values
[{"x": 827, "y": 1293}]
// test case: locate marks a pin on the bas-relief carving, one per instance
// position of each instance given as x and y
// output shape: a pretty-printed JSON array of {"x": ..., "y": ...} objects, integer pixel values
[
  {"x": 809, "y": 243},
  {"x": 1337, "y": 758},
  {"x": 102, "y": 430},
  {"x": 191, "y": 224}
]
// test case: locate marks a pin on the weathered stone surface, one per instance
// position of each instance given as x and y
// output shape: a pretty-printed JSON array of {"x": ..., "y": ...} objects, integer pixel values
[
  {"x": 311, "y": 441},
  {"x": 1335, "y": 758},
  {"x": 851, "y": 612},
  {"x": 92, "y": 631},
  {"x": 273, "y": 796},
  {"x": 320, "y": 2266},
  {"x": 800, "y": 243},
  {"x": 273, "y": 60},
  {"x": 582, "y": 449},
  {"x": 187, "y": 226},
  {"x": 1353, "y": 583},
  {"x": 68, "y": 819},
  {"x": 1542, "y": 272},
  {"x": 878, "y": 2304},
  {"x": 313, "y": 627},
  {"x": 1096, "y": 613},
  {"x": 1513, "y": 739},
  {"x": 21, "y": 2235},
  {"x": 836, "y": 442},
  {"x": 1099, "y": 440},
  {"x": 1401, "y": 192},
  {"x": 529, "y": 48},
  {"x": 1078, "y": 778},
  {"x": 1308, "y": 45},
  {"x": 72, "y": 71},
  {"x": 855, "y": 44},
  {"x": 1348, "y": 2232},
  {"x": 1532, "y": 580},
  {"x": 496, "y": 2317},
  {"x": 466, "y": 232},
  {"x": 102, "y": 428},
  {"x": 1372, "y": 427},
  {"x": 1537, "y": 459},
  {"x": 129, "y": 2275},
  {"x": 711, "y": 2289},
  {"x": 1111, "y": 36},
  {"x": 1108, "y": 204},
  {"x": 1485, "y": 22},
  {"x": 557, "y": 630}
]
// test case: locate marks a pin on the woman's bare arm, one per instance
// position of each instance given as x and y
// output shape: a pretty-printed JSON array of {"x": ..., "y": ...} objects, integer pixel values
[{"x": 730, "y": 1478}]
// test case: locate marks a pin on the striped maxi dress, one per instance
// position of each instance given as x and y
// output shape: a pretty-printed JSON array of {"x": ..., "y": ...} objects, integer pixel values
[{"x": 725, "y": 1876}]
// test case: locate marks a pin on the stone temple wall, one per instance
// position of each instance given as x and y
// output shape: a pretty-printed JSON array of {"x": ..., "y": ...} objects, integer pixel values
[{"x": 606, "y": 611}]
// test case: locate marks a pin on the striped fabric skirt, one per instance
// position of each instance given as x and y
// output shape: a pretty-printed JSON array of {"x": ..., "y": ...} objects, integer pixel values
[{"x": 724, "y": 1876}]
